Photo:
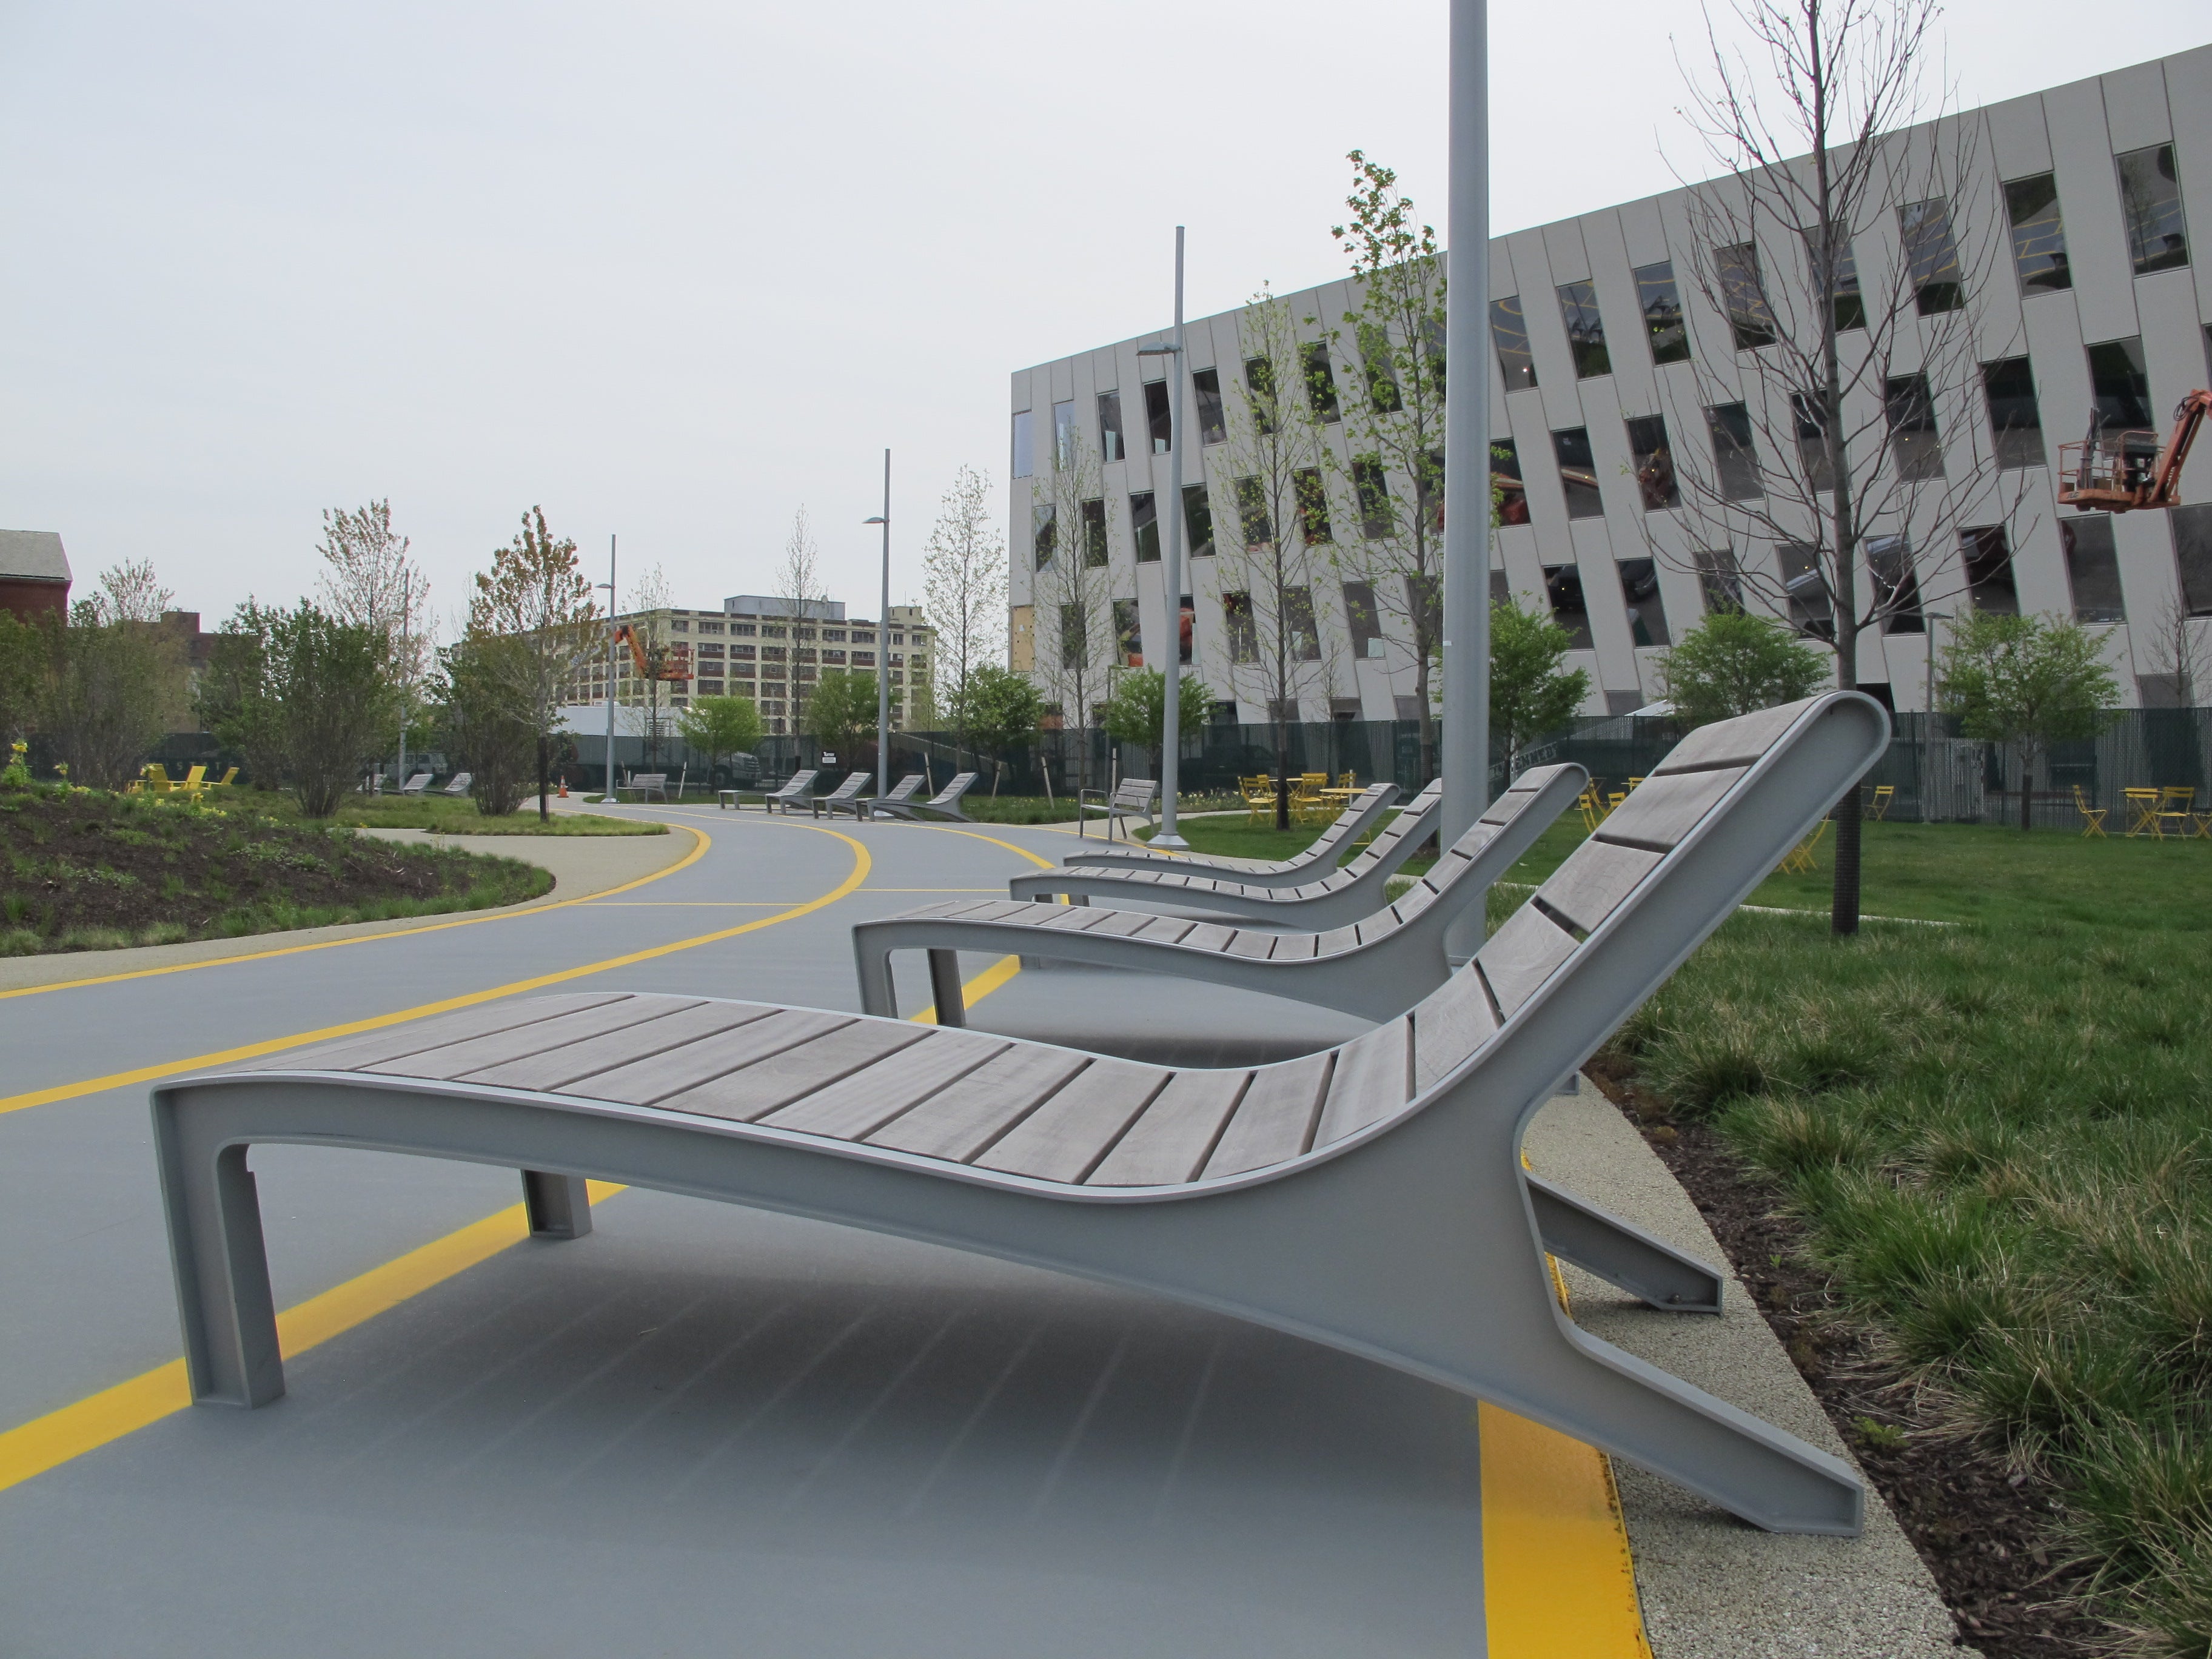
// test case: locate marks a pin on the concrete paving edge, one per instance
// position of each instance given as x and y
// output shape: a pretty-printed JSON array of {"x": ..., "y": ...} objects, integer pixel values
[{"x": 1713, "y": 1588}]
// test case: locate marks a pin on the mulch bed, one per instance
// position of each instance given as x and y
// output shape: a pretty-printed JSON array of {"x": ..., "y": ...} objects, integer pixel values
[{"x": 1985, "y": 1531}]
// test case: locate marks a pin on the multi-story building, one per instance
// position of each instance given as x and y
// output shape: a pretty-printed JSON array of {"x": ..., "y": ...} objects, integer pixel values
[
  {"x": 753, "y": 647},
  {"x": 2092, "y": 309}
]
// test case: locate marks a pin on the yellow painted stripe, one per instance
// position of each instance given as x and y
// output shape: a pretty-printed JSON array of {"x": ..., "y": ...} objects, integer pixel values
[
  {"x": 469, "y": 1000},
  {"x": 698, "y": 851},
  {"x": 101, "y": 1419},
  {"x": 1018, "y": 852},
  {"x": 976, "y": 988}
]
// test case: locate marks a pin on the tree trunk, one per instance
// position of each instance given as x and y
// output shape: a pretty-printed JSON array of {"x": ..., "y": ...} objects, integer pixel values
[
  {"x": 2026, "y": 788},
  {"x": 1282, "y": 776},
  {"x": 545, "y": 779},
  {"x": 1428, "y": 720}
]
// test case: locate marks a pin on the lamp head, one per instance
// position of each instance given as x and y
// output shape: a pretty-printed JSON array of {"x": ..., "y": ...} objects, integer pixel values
[{"x": 878, "y": 518}]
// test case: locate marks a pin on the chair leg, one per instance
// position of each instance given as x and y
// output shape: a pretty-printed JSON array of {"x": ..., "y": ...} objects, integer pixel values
[
  {"x": 559, "y": 1206},
  {"x": 223, "y": 1300},
  {"x": 946, "y": 988},
  {"x": 1623, "y": 1255}
]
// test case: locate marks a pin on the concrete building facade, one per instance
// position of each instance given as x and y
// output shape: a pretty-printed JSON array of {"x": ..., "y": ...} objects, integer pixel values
[{"x": 2096, "y": 200}]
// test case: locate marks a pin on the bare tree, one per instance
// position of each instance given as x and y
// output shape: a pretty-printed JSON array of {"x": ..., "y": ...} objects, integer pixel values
[
  {"x": 1071, "y": 530},
  {"x": 533, "y": 614},
  {"x": 2176, "y": 653},
  {"x": 798, "y": 583},
  {"x": 1839, "y": 396},
  {"x": 370, "y": 579},
  {"x": 130, "y": 593},
  {"x": 1284, "y": 538},
  {"x": 657, "y": 651},
  {"x": 963, "y": 572}
]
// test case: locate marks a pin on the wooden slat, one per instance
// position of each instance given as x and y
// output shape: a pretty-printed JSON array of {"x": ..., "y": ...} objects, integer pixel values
[
  {"x": 1166, "y": 929},
  {"x": 1014, "y": 910},
  {"x": 850, "y": 1110},
  {"x": 1207, "y": 936},
  {"x": 1731, "y": 743},
  {"x": 1275, "y": 1119},
  {"x": 1065, "y": 918},
  {"x": 1507, "y": 807},
  {"x": 1337, "y": 939},
  {"x": 1254, "y": 942},
  {"x": 453, "y": 1060},
  {"x": 1381, "y": 925},
  {"x": 1070, "y": 1132},
  {"x": 753, "y": 1090},
  {"x": 1122, "y": 924},
  {"x": 1660, "y": 811},
  {"x": 1293, "y": 947},
  {"x": 1415, "y": 900},
  {"x": 1596, "y": 877},
  {"x": 1165, "y": 1146},
  {"x": 1450, "y": 1024},
  {"x": 1374, "y": 1077},
  {"x": 1522, "y": 955},
  {"x": 960, "y": 1121},
  {"x": 348, "y": 1053},
  {"x": 652, "y": 1080},
  {"x": 569, "y": 1065}
]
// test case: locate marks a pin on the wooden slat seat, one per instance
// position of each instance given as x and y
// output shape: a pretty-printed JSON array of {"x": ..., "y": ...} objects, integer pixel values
[
  {"x": 1371, "y": 1195},
  {"x": 1317, "y": 860},
  {"x": 799, "y": 786},
  {"x": 846, "y": 798},
  {"x": 946, "y": 803},
  {"x": 1377, "y": 967}
]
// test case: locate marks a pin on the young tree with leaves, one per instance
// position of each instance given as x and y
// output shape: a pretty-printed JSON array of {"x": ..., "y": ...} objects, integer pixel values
[
  {"x": 998, "y": 708},
  {"x": 2028, "y": 682},
  {"x": 650, "y": 598},
  {"x": 1137, "y": 712},
  {"x": 1532, "y": 693},
  {"x": 483, "y": 727},
  {"x": 1072, "y": 530},
  {"x": 535, "y": 593},
  {"x": 1735, "y": 663},
  {"x": 370, "y": 578},
  {"x": 234, "y": 699},
  {"x": 841, "y": 715},
  {"x": 719, "y": 727},
  {"x": 964, "y": 573},
  {"x": 330, "y": 684},
  {"x": 109, "y": 676},
  {"x": 799, "y": 584}
]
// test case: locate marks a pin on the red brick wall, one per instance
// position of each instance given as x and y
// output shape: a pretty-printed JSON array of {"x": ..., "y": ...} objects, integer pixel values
[{"x": 29, "y": 599}]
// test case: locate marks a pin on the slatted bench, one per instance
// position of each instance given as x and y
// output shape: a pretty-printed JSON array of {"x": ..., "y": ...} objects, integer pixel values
[
  {"x": 846, "y": 798},
  {"x": 1328, "y": 898},
  {"x": 1132, "y": 798},
  {"x": 897, "y": 795},
  {"x": 648, "y": 784},
  {"x": 799, "y": 786},
  {"x": 1370, "y": 1196},
  {"x": 1377, "y": 967},
  {"x": 944, "y": 804},
  {"x": 1365, "y": 811}
]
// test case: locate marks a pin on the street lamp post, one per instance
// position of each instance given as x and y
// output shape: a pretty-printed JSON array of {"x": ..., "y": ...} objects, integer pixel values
[
  {"x": 610, "y": 798},
  {"x": 1171, "y": 573},
  {"x": 883, "y": 646}
]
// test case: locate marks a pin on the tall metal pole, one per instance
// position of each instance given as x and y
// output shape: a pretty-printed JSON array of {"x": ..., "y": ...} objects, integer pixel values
[
  {"x": 1171, "y": 701},
  {"x": 1467, "y": 436},
  {"x": 884, "y": 650},
  {"x": 610, "y": 798},
  {"x": 404, "y": 598}
]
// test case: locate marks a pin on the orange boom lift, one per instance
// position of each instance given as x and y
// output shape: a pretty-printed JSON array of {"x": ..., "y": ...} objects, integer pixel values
[
  {"x": 2120, "y": 472},
  {"x": 678, "y": 667}
]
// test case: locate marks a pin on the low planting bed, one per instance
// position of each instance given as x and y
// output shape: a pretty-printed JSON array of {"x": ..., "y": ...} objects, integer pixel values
[
  {"x": 86, "y": 870},
  {"x": 447, "y": 815}
]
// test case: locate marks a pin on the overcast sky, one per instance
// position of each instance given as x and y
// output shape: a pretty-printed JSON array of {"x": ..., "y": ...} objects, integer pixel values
[{"x": 674, "y": 270}]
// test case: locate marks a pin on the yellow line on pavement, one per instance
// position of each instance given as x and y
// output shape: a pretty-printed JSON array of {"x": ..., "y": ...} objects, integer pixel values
[
  {"x": 468, "y": 999},
  {"x": 1558, "y": 1578},
  {"x": 1019, "y": 852},
  {"x": 976, "y": 988},
  {"x": 702, "y": 842}
]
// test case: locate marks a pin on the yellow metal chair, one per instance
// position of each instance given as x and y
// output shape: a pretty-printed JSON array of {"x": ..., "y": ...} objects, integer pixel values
[
  {"x": 1591, "y": 807},
  {"x": 1259, "y": 794},
  {"x": 1347, "y": 781},
  {"x": 2175, "y": 803},
  {"x": 195, "y": 782},
  {"x": 2143, "y": 812},
  {"x": 1878, "y": 808},
  {"x": 153, "y": 779},
  {"x": 1798, "y": 860},
  {"x": 2092, "y": 817}
]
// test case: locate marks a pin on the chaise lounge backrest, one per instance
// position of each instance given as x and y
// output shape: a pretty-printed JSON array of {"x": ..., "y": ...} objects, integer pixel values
[{"x": 1415, "y": 822}]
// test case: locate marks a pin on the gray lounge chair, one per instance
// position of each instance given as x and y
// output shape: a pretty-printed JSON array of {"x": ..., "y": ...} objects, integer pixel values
[
  {"x": 846, "y": 798},
  {"x": 897, "y": 795},
  {"x": 799, "y": 786},
  {"x": 1333, "y": 899},
  {"x": 1355, "y": 821},
  {"x": 415, "y": 785},
  {"x": 1369, "y": 1196},
  {"x": 1132, "y": 798},
  {"x": 460, "y": 784},
  {"x": 1377, "y": 967},
  {"x": 946, "y": 803}
]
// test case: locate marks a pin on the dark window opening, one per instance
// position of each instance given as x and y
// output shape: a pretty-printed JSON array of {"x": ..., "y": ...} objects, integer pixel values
[
  {"x": 1260, "y": 393},
  {"x": 1212, "y": 420},
  {"x": 1312, "y": 498},
  {"x": 2039, "y": 234},
  {"x": 1811, "y": 612},
  {"x": 1074, "y": 634},
  {"x": 1301, "y": 639},
  {"x": 1377, "y": 514},
  {"x": 1989, "y": 570},
  {"x": 1044, "y": 531},
  {"x": 2119, "y": 386},
  {"x": 1188, "y": 627},
  {"x": 1743, "y": 294},
  {"x": 1896, "y": 588},
  {"x": 1585, "y": 330},
  {"x": 1321, "y": 382},
  {"x": 2192, "y": 556},
  {"x": 1932, "y": 255},
  {"x": 1110, "y": 447},
  {"x": 1661, "y": 304},
  {"x": 1912, "y": 437},
  {"x": 1158, "y": 420},
  {"x": 1144, "y": 521},
  {"x": 1366, "y": 622},
  {"x": 2150, "y": 200},
  {"x": 1577, "y": 473},
  {"x": 1735, "y": 460},
  {"x": 1094, "y": 533},
  {"x": 1563, "y": 588},
  {"x": 1197, "y": 521},
  {"x": 1508, "y": 332},
  {"x": 1380, "y": 369},
  {"x": 1720, "y": 580},
  {"x": 1244, "y": 627},
  {"x": 1063, "y": 435},
  {"x": 2092, "y": 567},
  {"x": 1505, "y": 481},
  {"x": 1842, "y": 286},
  {"x": 1252, "y": 513},
  {"x": 2014, "y": 421},
  {"x": 1812, "y": 427},
  {"x": 1654, "y": 462},
  {"x": 1639, "y": 593}
]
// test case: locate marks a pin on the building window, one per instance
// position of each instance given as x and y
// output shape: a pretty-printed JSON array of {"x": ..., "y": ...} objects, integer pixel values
[
  {"x": 1376, "y": 515},
  {"x": 1585, "y": 330},
  {"x": 1321, "y": 382},
  {"x": 1812, "y": 427},
  {"x": 1366, "y": 622},
  {"x": 2014, "y": 421},
  {"x": 1074, "y": 633},
  {"x": 1063, "y": 436},
  {"x": 1849, "y": 301},
  {"x": 1511, "y": 495},
  {"x": 1655, "y": 462},
  {"x": 1128, "y": 634},
  {"x": 1382, "y": 394},
  {"x": 2092, "y": 567},
  {"x": 1807, "y": 584},
  {"x": 1563, "y": 588},
  {"x": 2119, "y": 386},
  {"x": 1260, "y": 393},
  {"x": 1577, "y": 473},
  {"x": 1735, "y": 458},
  {"x": 1044, "y": 533},
  {"x": 1896, "y": 589},
  {"x": 1197, "y": 521},
  {"x": 1912, "y": 438},
  {"x": 2150, "y": 199},
  {"x": 1720, "y": 580},
  {"x": 1252, "y": 513},
  {"x": 864, "y": 659},
  {"x": 1144, "y": 520},
  {"x": 1094, "y": 536},
  {"x": 1110, "y": 447},
  {"x": 1024, "y": 445},
  {"x": 1924, "y": 230},
  {"x": 1508, "y": 332},
  {"x": 1244, "y": 627},
  {"x": 1301, "y": 638},
  {"x": 1989, "y": 570},
  {"x": 2039, "y": 234},
  {"x": 1743, "y": 294},
  {"x": 1158, "y": 418},
  {"x": 834, "y": 659},
  {"x": 1661, "y": 304},
  {"x": 1639, "y": 593},
  {"x": 2192, "y": 554},
  {"x": 1312, "y": 497},
  {"x": 1213, "y": 425}
]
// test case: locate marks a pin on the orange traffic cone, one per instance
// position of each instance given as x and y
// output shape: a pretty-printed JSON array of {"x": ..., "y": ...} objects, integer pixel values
[{"x": 564, "y": 789}]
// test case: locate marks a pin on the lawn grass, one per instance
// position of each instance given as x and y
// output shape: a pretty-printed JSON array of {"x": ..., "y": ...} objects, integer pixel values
[
  {"x": 1060, "y": 809},
  {"x": 439, "y": 814}
]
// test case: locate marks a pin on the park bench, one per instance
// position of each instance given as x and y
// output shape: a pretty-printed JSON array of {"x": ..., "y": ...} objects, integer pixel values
[
  {"x": 1371, "y": 1195},
  {"x": 946, "y": 803},
  {"x": 1377, "y": 967},
  {"x": 845, "y": 797},
  {"x": 798, "y": 788},
  {"x": 1335, "y": 899},
  {"x": 415, "y": 785},
  {"x": 1317, "y": 859},
  {"x": 1132, "y": 798},
  {"x": 648, "y": 784},
  {"x": 898, "y": 795},
  {"x": 460, "y": 783}
]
